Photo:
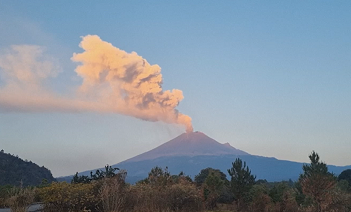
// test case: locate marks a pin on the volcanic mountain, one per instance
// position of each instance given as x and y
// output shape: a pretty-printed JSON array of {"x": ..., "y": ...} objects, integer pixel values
[
  {"x": 189, "y": 144},
  {"x": 192, "y": 152}
]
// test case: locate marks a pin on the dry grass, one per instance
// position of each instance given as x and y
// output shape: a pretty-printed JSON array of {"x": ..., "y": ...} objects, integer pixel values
[{"x": 20, "y": 199}]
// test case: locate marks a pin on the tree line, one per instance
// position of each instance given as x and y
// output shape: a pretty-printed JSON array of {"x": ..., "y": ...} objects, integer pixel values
[{"x": 211, "y": 190}]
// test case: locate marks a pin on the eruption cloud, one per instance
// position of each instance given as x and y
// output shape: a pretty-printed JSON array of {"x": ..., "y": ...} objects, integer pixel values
[
  {"x": 113, "y": 81},
  {"x": 127, "y": 82}
]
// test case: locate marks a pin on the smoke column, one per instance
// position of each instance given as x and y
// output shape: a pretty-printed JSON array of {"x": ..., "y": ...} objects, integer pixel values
[
  {"x": 127, "y": 82},
  {"x": 113, "y": 81}
]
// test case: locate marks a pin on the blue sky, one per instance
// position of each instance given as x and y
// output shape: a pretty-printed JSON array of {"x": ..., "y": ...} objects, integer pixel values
[{"x": 270, "y": 77}]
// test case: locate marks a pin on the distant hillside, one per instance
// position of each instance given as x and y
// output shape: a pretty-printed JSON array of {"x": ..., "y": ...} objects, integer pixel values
[{"x": 14, "y": 171}]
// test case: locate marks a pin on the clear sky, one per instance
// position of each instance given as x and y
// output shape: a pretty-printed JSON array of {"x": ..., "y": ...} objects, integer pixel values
[{"x": 271, "y": 78}]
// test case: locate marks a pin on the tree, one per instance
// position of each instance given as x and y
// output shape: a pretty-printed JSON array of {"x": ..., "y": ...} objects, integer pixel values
[
  {"x": 201, "y": 177},
  {"x": 109, "y": 172},
  {"x": 277, "y": 191},
  {"x": 345, "y": 175},
  {"x": 80, "y": 179},
  {"x": 159, "y": 177},
  {"x": 99, "y": 174},
  {"x": 181, "y": 177},
  {"x": 215, "y": 187},
  {"x": 212, "y": 189},
  {"x": 241, "y": 180},
  {"x": 317, "y": 182}
]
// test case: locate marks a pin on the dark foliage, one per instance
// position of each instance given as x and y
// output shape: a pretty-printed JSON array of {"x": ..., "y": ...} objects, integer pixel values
[
  {"x": 15, "y": 171},
  {"x": 241, "y": 180},
  {"x": 215, "y": 185},
  {"x": 201, "y": 177},
  {"x": 345, "y": 175},
  {"x": 99, "y": 174}
]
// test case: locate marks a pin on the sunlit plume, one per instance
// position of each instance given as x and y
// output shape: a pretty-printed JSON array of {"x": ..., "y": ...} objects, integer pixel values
[
  {"x": 113, "y": 81},
  {"x": 127, "y": 82}
]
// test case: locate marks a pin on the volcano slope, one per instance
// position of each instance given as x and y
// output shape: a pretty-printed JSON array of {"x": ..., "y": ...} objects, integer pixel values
[{"x": 191, "y": 152}]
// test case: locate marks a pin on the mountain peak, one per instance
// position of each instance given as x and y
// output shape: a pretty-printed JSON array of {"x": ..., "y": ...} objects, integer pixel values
[
  {"x": 191, "y": 137},
  {"x": 189, "y": 144},
  {"x": 227, "y": 144}
]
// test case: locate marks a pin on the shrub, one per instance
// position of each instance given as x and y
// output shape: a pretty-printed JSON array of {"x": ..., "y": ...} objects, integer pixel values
[
  {"x": 183, "y": 197},
  {"x": 180, "y": 196},
  {"x": 144, "y": 198},
  {"x": 63, "y": 197},
  {"x": 4, "y": 194},
  {"x": 113, "y": 194},
  {"x": 20, "y": 198}
]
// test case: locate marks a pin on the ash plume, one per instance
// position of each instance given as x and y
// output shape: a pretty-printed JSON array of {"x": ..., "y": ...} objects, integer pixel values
[{"x": 114, "y": 81}]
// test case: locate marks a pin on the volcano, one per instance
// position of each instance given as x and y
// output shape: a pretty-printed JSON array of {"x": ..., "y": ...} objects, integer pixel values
[
  {"x": 189, "y": 144},
  {"x": 192, "y": 152}
]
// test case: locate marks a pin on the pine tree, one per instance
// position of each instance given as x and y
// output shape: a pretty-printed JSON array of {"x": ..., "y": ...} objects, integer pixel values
[
  {"x": 317, "y": 182},
  {"x": 241, "y": 180}
]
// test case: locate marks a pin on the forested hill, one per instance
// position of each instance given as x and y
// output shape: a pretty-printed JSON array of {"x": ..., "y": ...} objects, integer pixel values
[{"x": 15, "y": 171}]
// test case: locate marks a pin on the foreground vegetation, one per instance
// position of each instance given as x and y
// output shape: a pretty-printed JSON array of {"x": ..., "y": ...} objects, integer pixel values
[{"x": 106, "y": 191}]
